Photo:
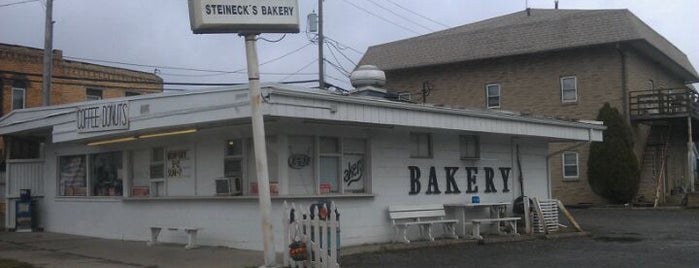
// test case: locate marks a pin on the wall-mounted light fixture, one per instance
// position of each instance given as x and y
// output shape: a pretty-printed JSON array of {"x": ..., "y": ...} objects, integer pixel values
[
  {"x": 145, "y": 136},
  {"x": 111, "y": 141},
  {"x": 177, "y": 132}
]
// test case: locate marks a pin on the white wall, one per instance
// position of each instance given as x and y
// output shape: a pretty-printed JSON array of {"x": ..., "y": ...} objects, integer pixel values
[{"x": 235, "y": 222}]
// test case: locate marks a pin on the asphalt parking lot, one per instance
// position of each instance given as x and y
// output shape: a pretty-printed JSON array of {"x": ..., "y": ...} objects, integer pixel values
[{"x": 618, "y": 238}]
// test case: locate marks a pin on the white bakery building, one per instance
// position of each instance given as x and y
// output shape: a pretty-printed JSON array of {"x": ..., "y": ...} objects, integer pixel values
[{"x": 112, "y": 168}]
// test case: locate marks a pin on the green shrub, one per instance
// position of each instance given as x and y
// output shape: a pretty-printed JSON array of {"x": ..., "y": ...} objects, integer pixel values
[{"x": 612, "y": 169}]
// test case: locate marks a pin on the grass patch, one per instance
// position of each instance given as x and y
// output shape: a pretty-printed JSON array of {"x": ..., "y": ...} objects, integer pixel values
[{"x": 8, "y": 263}]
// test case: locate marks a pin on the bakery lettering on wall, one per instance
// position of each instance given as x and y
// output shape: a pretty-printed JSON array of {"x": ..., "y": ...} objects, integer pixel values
[
  {"x": 469, "y": 177},
  {"x": 101, "y": 117}
]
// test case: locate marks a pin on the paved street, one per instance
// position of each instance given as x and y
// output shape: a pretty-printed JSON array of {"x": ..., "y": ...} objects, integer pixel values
[{"x": 619, "y": 238}]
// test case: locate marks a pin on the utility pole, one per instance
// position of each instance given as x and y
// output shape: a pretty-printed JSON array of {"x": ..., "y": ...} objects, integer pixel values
[
  {"x": 48, "y": 54},
  {"x": 321, "y": 43}
]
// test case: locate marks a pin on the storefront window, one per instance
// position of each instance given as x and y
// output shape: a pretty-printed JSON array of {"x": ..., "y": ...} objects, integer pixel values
[
  {"x": 420, "y": 145},
  {"x": 232, "y": 163},
  {"x": 232, "y": 167},
  {"x": 301, "y": 165},
  {"x": 71, "y": 179},
  {"x": 341, "y": 165},
  {"x": 354, "y": 177},
  {"x": 157, "y": 163},
  {"x": 469, "y": 146},
  {"x": 329, "y": 165},
  {"x": 106, "y": 174}
]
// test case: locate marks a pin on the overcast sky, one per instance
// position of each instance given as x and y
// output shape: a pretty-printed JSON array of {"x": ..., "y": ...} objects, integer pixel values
[{"x": 157, "y": 33}]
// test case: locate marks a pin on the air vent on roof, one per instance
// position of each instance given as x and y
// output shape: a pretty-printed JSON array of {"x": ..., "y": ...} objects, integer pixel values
[
  {"x": 368, "y": 80},
  {"x": 368, "y": 75}
]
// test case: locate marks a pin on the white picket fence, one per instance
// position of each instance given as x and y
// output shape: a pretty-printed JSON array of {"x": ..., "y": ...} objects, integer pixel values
[{"x": 320, "y": 234}]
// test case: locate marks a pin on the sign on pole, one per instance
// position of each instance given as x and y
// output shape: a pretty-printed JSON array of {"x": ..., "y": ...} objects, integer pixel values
[
  {"x": 244, "y": 16},
  {"x": 249, "y": 18}
]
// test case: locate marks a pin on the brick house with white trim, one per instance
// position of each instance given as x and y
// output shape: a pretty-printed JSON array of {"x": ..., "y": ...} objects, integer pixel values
[{"x": 563, "y": 63}]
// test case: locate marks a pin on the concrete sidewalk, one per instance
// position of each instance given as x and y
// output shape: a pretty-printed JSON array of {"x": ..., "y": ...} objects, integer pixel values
[{"x": 50, "y": 250}]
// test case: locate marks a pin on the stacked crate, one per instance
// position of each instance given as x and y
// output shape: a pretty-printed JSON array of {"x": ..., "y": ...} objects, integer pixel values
[{"x": 548, "y": 210}]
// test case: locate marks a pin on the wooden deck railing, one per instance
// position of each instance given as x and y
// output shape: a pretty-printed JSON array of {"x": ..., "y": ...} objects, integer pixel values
[{"x": 663, "y": 104}]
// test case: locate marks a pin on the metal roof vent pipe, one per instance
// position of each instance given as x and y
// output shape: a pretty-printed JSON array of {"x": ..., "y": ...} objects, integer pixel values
[{"x": 368, "y": 80}]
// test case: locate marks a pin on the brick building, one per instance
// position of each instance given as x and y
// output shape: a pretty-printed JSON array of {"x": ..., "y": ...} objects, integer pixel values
[
  {"x": 73, "y": 81},
  {"x": 567, "y": 64}
]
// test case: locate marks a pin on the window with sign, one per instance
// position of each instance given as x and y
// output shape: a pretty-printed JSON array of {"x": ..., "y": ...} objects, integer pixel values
[
  {"x": 72, "y": 175},
  {"x": 354, "y": 174},
  {"x": 99, "y": 174},
  {"x": 341, "y": 167}
]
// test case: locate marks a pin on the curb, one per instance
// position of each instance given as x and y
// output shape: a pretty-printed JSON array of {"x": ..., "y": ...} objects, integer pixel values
[
  {"x": 505, "y": 239},
  {"x": 567, "y": 235}
]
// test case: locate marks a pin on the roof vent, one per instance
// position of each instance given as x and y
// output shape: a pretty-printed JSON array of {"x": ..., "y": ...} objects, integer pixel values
[{"x": 367, "y": 75}]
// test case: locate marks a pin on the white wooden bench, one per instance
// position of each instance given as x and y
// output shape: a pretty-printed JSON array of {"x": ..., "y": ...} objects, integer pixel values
[
  {"x": 190, "y": 231},
  {"x": 476, "y": 227},
  {"x": 423, "y": 216}
]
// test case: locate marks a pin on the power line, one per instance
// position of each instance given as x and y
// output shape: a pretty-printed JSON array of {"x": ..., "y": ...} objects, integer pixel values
[
  {"x": 342, "y": 46},
  {"x": 400, "y": 16},
  {"x": 147, "y": 65},
  {"x": 337, "y": 60},
  {"x": 17, "y": 3},
  {"x": 379, "y": 17},
  {"x": 124, "y": 81},
  {"x": 219, "y": 74},
  {"x": 271, "y": 41},
  {"x": 343, "y": 54},
  {"x": 336, "y": 79},
  {"x": 418, "y": 14},
  {"x": 299, "y": 70},
  {"x": 95, "y": 82},
  {"x": 184, "y": 68},
  {"x": 340, "y": 69}
]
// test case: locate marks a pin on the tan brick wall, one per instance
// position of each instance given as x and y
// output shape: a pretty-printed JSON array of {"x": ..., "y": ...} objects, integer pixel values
[
  {"x": 531, "y": 84},
  {"x": 16, "y": 61},
  {"x": 640, "y": 70}
]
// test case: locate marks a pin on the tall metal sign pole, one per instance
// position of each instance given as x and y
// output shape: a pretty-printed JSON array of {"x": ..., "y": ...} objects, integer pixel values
[
  {"x": 249, "y": 18},
  {"x": 48, "y": 54},
  {"x": 258, "y": 137}
]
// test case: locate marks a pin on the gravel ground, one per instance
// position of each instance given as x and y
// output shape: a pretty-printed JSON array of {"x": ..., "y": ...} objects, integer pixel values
[{"x": 619, "y": 238}]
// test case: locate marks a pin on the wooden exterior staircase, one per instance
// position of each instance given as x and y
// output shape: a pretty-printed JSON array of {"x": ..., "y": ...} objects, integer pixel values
[{"x": 652, "y": 186}]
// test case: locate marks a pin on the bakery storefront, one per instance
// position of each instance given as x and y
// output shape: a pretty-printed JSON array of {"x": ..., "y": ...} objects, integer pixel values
[{"x": 113, "y": 168}]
